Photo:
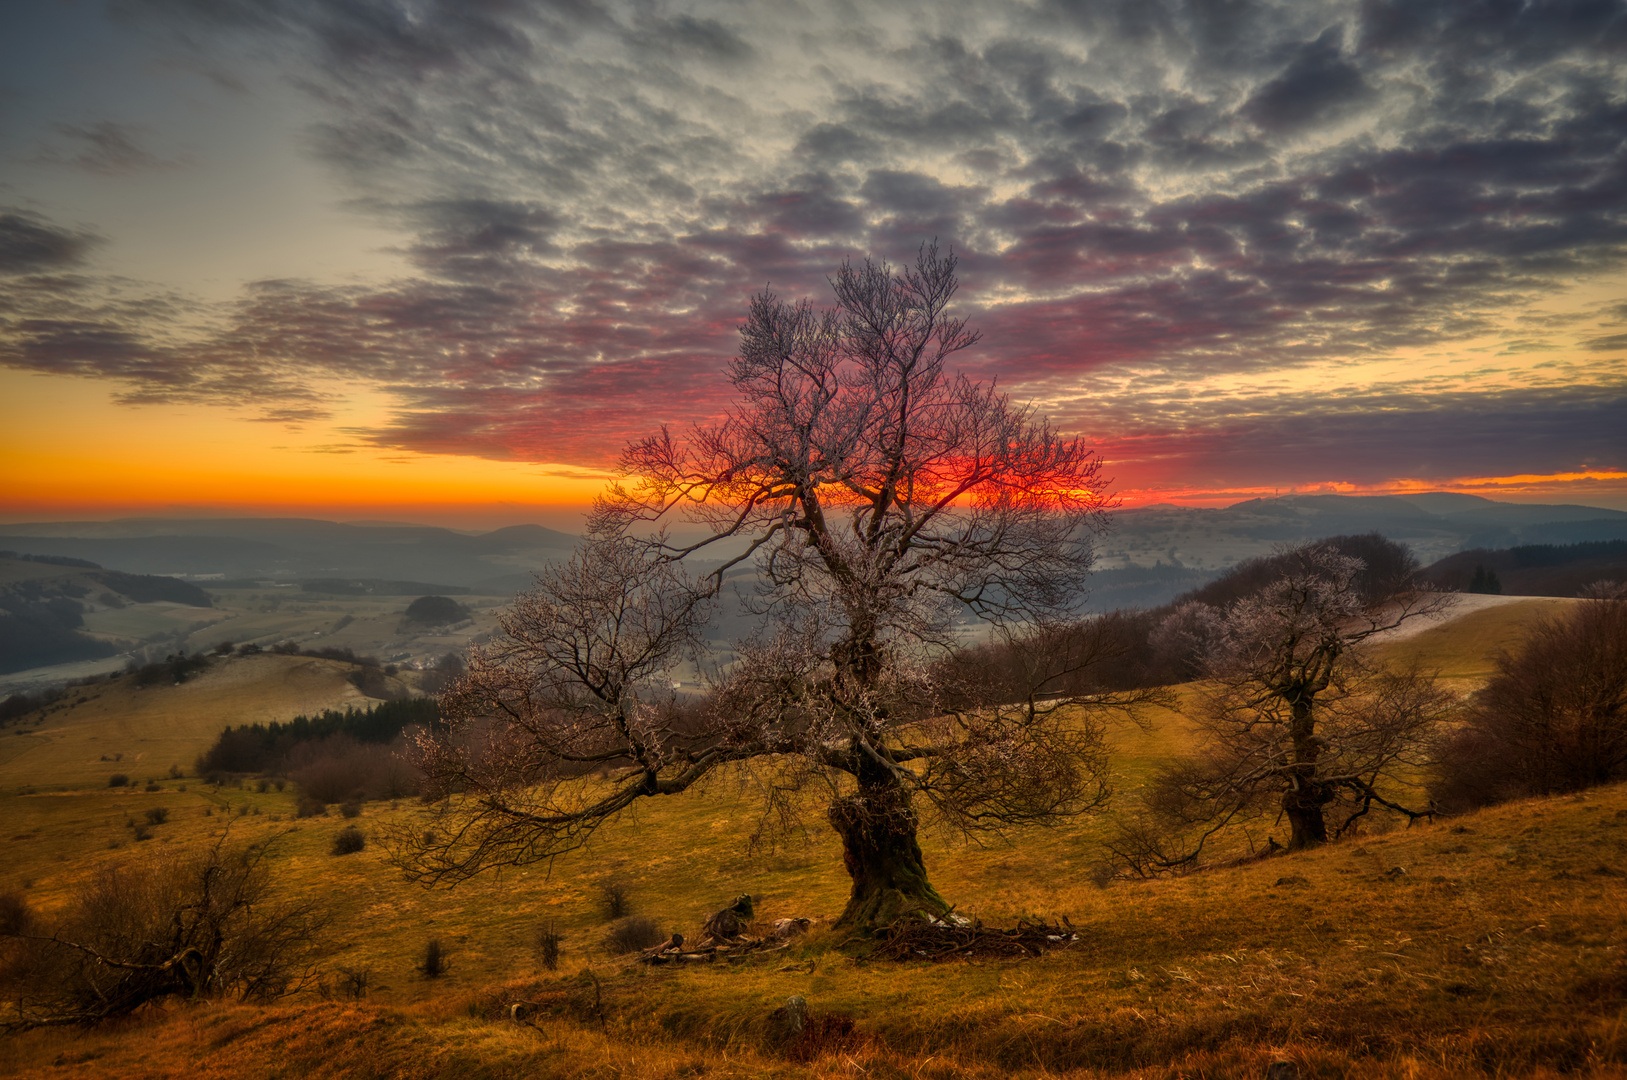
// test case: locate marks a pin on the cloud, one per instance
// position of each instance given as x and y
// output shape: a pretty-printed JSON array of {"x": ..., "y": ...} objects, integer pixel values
[
  {"x": 1369, "y": 440},
  {"x": 29, "y": 244},
  {"x": 1318, "y": 84},
  {"x": 105, "y": 148},
  {"x": 1146, "y": 197},
  {"x": 1608, "y": 343}
]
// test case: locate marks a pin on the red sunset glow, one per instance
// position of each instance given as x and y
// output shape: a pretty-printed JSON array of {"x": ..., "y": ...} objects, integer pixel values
[{"x": 304, "y": 267}]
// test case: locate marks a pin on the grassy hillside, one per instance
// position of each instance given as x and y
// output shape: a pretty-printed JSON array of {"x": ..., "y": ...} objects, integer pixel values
[
  {"x": 122, "y": 727},
  {"x": 1462, "y": 646},
  {"x": 1485, "y": 945}
]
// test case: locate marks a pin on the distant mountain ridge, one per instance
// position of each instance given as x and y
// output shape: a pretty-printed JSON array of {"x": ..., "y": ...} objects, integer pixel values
[
  {"x": 1154, "y": 553},
  {"x": 500, "y": 561},
  {"x": 1149, "y": 555}
]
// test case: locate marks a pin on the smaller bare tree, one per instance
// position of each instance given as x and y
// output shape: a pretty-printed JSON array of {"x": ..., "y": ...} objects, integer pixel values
[
  {"x": 187, "y": 927},
  {"x": 1296, "y": 717}
]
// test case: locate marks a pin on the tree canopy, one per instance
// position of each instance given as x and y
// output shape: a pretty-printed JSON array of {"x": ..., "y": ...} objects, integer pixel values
[
  {"x": 1295, "y": 716},
  {"x": 880, "y": 505}
]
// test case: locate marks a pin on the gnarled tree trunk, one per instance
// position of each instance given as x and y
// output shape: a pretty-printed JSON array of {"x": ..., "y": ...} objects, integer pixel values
[
  {"x": 1304, "y": 800},
  {"x": 883, "y": 857},
  {"x": 1306, "y": 821}
]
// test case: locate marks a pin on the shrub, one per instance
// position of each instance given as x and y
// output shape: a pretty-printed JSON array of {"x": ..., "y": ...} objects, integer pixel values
[
  {"x": 175, "y": 772},
  {"x": 348, "y": 841},
  {"x": 16, "y": 918},
  {"x": 353, "y": 982},
  {"x": 118, "y": 779},
  {"x": 632, "y": 934},
  {"x": 168, "y": 926},
  {"x": 157, "y": 815},
  {"x": 617, "y": 904},
  {"x": 434, "y": 964},
  {"x": 141, "y": 832},
  {"x": 1554, "y": 717},
  {"x": 309, "y": 807},
  {"x": 261, "y": 785},
  {"x": 547, "y": 946},
  {"x": 152, "y": 785},
  {"x": 350, "y": 808}
]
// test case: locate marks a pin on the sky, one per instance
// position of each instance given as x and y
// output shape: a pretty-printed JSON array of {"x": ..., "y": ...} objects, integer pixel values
[{"x": 442, "y": 260}]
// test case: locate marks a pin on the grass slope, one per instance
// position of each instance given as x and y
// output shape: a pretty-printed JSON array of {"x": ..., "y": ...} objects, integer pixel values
[
  {"x": 1486, "y": 945},
  {"x": 119, "y": 727}
]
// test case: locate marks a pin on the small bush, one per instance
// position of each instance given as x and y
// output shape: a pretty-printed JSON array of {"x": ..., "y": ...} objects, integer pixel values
[
  {"x": 175, "y": 772},
  {"x": 172, "y": 925},
  {"x": 16, "y": 918},
  {"x": 349, "y": 841},
  {"x": 152, "y": 785},
  {"x": 547, "y": 945},
  {"x": 616, "y": 902},
  {"x": 261, "y": 785},
  {"x": 350, "y": 808},
  {"x": 632, "y": 934},
  {"x": 279, "y": 783},
  {"x": 142, "y": 832},
  {"x": 118, "y": 779},
  {"x": 353, "y": 982},
  {"x": 434, "y": 963},
  {"x": 157, "y": 815},
  {"x": 309, "y": 807}
]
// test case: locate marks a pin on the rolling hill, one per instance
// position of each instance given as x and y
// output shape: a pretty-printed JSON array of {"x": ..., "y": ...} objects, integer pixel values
[{"x": 1478, "y": 946}]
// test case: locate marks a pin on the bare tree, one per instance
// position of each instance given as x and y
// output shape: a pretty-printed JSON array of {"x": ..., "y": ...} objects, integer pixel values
[
  {"x": 1297, "y": 717},
  {"x": 880, "y": 501},
  {"x": 1553, "y": 718},
  {"x": 171, "y": 926}
]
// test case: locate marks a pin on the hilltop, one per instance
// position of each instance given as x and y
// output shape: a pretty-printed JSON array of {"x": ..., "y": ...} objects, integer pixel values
[{"x": 1478, "y": 945}]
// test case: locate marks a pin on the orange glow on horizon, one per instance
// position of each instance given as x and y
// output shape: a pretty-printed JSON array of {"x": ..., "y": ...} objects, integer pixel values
[
  {"x": 1603, "y": 487},
  {"x": 71, "y": 453}
]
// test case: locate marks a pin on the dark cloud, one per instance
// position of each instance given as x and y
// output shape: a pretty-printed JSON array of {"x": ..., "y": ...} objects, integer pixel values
[
  {"x": 1145, "y": 194},
  {"x": 105, "y": 148},
  {"x": 1609, "y": 343},
  {"x": 31, "y": 245},
  {"x": 1371, "y": 439},
  {"x": 1318, "y": 84}
]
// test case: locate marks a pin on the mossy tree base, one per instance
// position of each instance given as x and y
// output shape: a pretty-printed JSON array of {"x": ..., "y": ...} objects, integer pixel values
[{"x": 883, "y": 857}]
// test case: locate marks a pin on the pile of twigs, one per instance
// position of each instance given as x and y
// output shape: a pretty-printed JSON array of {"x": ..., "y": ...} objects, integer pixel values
[
  {"x": 711, "y": 951},
  {"x": 913, "y": 939}
]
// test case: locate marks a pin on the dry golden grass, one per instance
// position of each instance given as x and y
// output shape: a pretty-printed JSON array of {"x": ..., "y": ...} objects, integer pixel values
[
  {"x": 1488, "y": 945},
  {"x": 118, "y": 727},
  {"x": 1462, "y": 649}
]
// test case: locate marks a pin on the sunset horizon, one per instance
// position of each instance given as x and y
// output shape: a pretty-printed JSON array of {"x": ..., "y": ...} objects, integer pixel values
[{"x": 417, "y": 263}]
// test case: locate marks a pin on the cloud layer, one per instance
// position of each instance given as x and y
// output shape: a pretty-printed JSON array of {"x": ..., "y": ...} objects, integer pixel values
[{"x": 1188, "y": 229}]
